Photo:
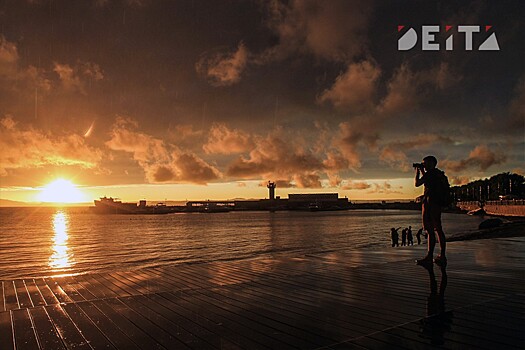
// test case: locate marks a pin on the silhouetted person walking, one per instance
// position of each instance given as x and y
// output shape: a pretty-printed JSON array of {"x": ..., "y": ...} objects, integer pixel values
[
  {"x": 434, "y": 180},
  {"x": 395, "y": 236},
  {"x": 404, "y": 237},
  {"x": 410, "y": 238},
  {"x": 418, "y": 235}
]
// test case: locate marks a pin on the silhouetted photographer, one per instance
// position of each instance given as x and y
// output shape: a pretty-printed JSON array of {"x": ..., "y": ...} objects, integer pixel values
[{"x": 435, "y": 196}]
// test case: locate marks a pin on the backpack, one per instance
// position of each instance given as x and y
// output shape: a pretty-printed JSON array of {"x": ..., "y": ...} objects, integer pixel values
[{"x": 443, "y": 193}]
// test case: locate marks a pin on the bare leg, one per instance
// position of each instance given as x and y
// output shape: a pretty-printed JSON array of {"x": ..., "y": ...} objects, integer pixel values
[
  {"x": 442, "y": 241},
  {"x": 431, "y": 243}
]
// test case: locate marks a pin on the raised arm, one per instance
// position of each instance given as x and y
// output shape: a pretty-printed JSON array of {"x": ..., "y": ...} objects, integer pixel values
[{"x": 418, "y": 179}]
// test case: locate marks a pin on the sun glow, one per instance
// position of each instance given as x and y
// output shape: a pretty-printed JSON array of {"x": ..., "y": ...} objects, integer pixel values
[{"x": 61, "y": 191}]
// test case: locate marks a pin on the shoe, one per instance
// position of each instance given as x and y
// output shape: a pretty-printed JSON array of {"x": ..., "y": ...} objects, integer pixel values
[
  {"x": 425, "y": 261},
  {"x": 440, "y": 260}
]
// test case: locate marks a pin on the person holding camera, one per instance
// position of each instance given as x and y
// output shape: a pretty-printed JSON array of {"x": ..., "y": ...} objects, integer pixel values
[{"x": 434, "y": 179}]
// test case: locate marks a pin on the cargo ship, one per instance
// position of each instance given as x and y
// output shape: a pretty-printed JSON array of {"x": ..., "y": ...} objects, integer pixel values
[{"x": 109, "y": 205}]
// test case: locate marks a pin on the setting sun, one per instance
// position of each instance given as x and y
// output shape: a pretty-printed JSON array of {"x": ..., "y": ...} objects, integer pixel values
[{"x": 61, "y": 191}]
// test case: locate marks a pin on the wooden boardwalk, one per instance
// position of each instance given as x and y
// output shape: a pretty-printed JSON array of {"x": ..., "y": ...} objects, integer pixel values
[{"x": 340, "y": 300}]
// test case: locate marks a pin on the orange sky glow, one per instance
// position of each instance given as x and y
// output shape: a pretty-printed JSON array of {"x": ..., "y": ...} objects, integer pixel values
[{"x": 183, "y": 100}]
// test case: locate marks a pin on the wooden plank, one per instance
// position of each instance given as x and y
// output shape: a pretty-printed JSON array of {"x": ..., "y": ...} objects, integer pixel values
[
  {"x": 141, "y": 319},
  {"x": 6, "y": 330},
  {"x": 96, "y": 291},
  {"x": 45, "y": 291},
  {"x": 34, "y": 293},
  {"x": 96, "y": 339},
  {"x": 80, "y": 287},
  {"x": 67, "y": 330},
  {"x": 132, "y": 282},
  {"x": 118, "y": 286},
  {"x": 57, "y": 290},
  {"x": 23, "y": 296},
  {"x": 217, "y": 323},
  {"x": 202, "y": 337},
  {"x": 141, "y": 338},
  {"x": 11, "y": 302},
  {"x": 68, "y": 288},
  {"x": 303, "y": 328},
  {"x": 175, "y": 330},
  {"x": 330, "y": 316},
  {"x": 265, "y": 330},
  {"x": 108, "y": 326},
  {"x": 48, "y": 337},
  {"x": 215, "y": 333},
  {"x": 25, "y": 337}
]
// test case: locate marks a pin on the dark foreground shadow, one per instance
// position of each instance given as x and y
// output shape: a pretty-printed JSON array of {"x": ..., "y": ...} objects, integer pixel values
[{"x": 438, "y": 320}]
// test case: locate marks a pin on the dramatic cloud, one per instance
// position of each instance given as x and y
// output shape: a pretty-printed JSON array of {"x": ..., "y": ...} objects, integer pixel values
[
  {"x": 8, "y": 57},
  {"x": 223, "y": 140},
  {"x": 354, "y": 90},
  {"x": 354, "y": 135},
  {"x": 385, "y": 188},
  {"x": 161, "y": 162},
  {"x": 394, "y": 153},
  {"x": 223, "y": 69},
  {"x": 407, "y": 88},
  {"x": 75, "y": 78},
  {"x": 30, "y": 148},
  {"x": 288, "y": 159},
  {"x": 480, "y": 157},
  {"x": 333, "y": 30}
]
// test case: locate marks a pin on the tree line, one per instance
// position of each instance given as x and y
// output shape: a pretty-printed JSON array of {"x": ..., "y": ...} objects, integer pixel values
[{"x": 501, "y": 186}]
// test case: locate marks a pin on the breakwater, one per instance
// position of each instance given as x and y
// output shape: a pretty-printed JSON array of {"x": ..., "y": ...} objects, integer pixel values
[{"x": 497, "y": 208}]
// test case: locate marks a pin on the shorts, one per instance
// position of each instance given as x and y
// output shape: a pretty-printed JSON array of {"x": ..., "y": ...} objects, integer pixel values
[{"x": 431, "y": 217}]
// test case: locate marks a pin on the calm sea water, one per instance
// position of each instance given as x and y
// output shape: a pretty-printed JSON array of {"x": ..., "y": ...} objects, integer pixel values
[{"x": 55, "y": 241}]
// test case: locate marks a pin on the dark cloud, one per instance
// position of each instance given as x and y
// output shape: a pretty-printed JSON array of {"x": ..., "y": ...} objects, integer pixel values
[
  {"x": 334, "y": 30},
  {"x": 224, "y": 68},
  {"x": 395, "y": 155},
  {"x": 481, "y": 157}
]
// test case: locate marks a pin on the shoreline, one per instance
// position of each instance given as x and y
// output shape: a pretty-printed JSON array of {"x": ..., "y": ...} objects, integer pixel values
[{"x": 506, "y": 230}]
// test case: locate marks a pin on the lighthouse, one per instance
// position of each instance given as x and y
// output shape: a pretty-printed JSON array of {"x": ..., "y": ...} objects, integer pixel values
[{"x": 271, "y": 189}]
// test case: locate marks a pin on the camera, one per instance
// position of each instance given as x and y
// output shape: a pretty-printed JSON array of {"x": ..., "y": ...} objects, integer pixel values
[{"x": 417, "y": 165}]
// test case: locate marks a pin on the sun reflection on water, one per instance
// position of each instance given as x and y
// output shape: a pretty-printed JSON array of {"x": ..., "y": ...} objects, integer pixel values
[{"x": 60, "y": 258}]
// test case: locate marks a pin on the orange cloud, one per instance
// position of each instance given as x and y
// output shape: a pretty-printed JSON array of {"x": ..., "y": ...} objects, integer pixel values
[
  {"x": 223, "y": 69},
  {"x": 356, "y": 185},
  {"x": 353, "y": 90},
  {"x": 30, "y": 148},
  {"x": 223, "y": 140},
  {"x": 394, "y": 152},
  {"x": 480, "y": 157},
  {"x": 161, "y": 162}
]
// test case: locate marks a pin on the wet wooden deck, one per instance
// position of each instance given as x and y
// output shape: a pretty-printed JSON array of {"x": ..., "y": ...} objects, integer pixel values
[{"x": 341, "y": 300}]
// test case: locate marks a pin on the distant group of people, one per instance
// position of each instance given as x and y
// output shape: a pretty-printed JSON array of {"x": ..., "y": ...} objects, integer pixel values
[{"x": 406, "y": 236}]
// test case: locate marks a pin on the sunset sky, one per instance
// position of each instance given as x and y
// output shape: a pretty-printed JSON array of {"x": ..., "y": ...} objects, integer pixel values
[{"x": 211, "y": 99}]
